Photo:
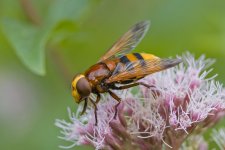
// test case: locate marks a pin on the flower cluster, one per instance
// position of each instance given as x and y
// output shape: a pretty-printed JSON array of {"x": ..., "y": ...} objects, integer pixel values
[{"x": 182, "y": 100}]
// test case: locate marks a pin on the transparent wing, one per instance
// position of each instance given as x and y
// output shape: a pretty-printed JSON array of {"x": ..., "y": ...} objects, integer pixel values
[
  {"x": 141, "y": 68},
  {"x": 128, "y": 41}
]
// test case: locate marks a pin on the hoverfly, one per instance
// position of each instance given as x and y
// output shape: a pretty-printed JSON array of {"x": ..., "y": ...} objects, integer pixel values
[{"x": 118, "y": 66}]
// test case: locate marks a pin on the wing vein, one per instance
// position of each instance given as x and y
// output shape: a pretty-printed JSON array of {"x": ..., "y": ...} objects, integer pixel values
[{"x": 128, "y": 41}]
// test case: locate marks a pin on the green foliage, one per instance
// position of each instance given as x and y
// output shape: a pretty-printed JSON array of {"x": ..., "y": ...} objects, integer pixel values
[{"x": 29, "y": 41}]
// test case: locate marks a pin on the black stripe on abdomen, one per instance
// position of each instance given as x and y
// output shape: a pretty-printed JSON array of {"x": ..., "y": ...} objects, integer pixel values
[
  {"x": 140, "y": 58},
  {"x": 124, "y": 60}
]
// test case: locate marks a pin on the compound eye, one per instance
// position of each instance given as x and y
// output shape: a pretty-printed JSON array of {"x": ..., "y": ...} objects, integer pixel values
[{"x": 83, "y": 88}]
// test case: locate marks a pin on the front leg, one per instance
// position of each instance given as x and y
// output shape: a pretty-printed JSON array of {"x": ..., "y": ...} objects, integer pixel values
[
  {"x": 85, "y": 106},
  {"x": 95, "y": 107},
  {"x": 95, "y": 111},
  {"x": 117, "y": 99}
]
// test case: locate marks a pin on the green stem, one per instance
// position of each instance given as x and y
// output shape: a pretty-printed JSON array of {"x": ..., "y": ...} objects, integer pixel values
[{"x": 30, "y": 12}]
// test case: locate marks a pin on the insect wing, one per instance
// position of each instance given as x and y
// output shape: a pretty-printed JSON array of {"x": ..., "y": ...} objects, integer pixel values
[
  {"x": 128, "y": 41},
  {"x": 141, "y": 68}
]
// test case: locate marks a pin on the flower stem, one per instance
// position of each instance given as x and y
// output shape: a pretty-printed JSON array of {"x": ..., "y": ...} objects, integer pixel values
[{"x": 31, "y": 12}]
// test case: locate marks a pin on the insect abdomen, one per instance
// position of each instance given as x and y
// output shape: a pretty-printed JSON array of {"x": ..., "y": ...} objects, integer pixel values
[
  {"x": 132, "y": 57},
  {"x": 128, "y": 61},
  {"x": 148, "y": 56}
]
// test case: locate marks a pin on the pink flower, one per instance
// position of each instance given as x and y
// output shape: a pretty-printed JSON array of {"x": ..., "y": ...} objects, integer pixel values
[{"x": 182, "y": 101}]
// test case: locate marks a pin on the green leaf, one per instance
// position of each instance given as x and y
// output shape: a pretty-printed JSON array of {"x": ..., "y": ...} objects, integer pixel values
[
  {"x": 29, "y": 44},
  {"x": 62, "y": 10},
  {"x": 30, "y": 41}
]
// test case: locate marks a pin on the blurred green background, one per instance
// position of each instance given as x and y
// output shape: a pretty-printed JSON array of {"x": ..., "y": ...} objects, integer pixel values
[{"x": 43, "y": 43}]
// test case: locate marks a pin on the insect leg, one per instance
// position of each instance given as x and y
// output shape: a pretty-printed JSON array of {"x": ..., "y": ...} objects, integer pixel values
[
  {"x": 95, "y": 111},
  {"x": 144, "y": 84},
  {"x": 131, "y": 85},
  {"x": 98, "y": 98},
  {"x": 117, "y": 99},
  {"x": 85, "y": 106}
]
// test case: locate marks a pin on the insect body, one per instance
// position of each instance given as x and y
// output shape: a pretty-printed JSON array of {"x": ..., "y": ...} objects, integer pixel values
[{"x": 119, "y": 66}]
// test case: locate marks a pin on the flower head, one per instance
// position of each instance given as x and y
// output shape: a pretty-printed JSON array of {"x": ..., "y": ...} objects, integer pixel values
[{"x": 182, "y": 100}]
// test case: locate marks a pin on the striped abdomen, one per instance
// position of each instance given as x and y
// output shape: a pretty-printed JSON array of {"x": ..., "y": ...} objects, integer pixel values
[
  {"x": 135, "y": 57},
  {"x": 134, "y": 66},
  {"x": 131, "y": 60}
]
